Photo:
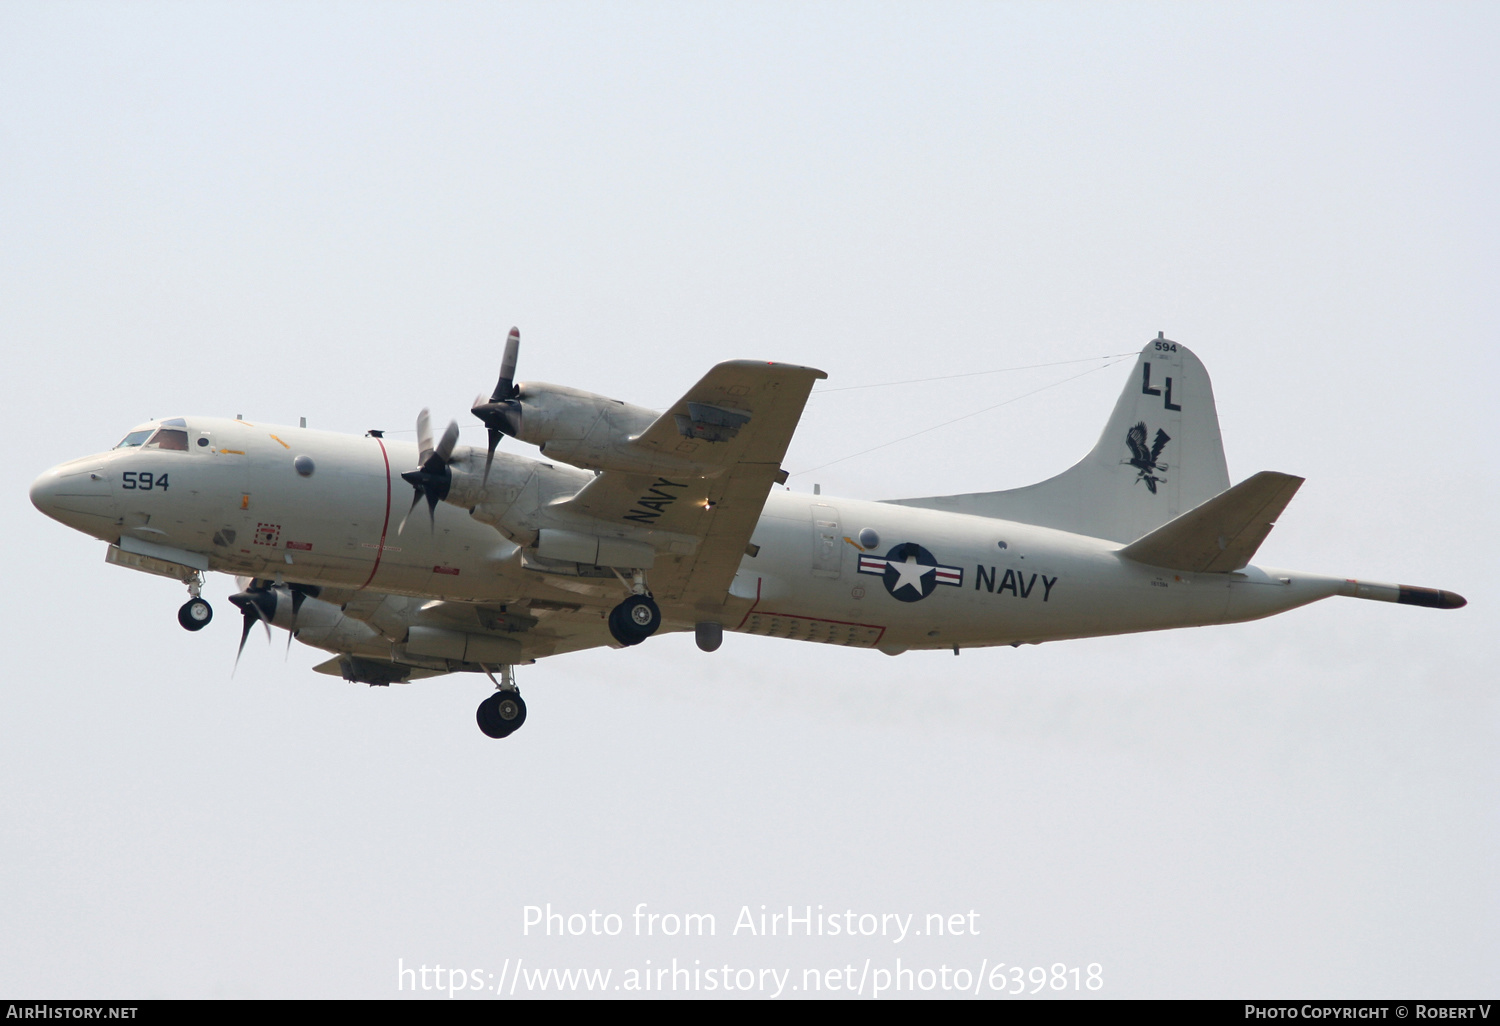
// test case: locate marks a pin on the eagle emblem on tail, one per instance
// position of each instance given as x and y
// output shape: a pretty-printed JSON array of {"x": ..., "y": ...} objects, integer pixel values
[{"x": 1144, "y": 459}]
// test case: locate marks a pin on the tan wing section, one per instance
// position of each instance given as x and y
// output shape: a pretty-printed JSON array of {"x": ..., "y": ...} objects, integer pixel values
[
  {"x": 736, "y": 424},
  {"x": 712, "y": 423},
  {"x": 1222, "y": 534}
]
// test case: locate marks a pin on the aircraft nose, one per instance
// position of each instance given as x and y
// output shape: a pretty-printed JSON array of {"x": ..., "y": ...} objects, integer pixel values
[
  {"x": 74, "y": 494},
  {"x": 44, "y": 492}
]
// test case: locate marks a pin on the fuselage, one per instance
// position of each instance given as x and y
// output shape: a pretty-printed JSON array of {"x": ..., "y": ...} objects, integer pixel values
[{"x": 326, "y": 509}]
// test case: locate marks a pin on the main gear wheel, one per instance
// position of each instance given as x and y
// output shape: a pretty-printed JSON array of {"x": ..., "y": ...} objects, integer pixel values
[
  {"x": 634, "y": 620},
  {"x": 502, "y": 714}
]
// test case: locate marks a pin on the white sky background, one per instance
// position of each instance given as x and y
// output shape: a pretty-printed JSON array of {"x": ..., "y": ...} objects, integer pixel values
[{"x": 337, "y": 212}]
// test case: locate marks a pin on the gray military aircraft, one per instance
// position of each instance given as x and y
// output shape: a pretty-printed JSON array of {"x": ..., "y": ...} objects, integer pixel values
[{"x": 639, "y": 522}]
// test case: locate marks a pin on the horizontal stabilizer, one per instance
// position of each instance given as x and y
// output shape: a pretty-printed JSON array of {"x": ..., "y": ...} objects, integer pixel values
[{"x": 1223, "y": 533}]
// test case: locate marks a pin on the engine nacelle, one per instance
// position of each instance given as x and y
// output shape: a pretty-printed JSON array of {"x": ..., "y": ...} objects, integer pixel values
[
  {"x": 321, "y": 624},
  {"x": 386, "y": 636},
  {"x": 593, "y": 550},
  {"x": 558, "y": 418},
  {"x": 592, "y": 431}
]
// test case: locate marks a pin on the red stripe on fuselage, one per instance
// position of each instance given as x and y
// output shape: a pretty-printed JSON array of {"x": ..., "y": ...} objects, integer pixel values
[
  {"x": 387, "y": 522},
  {"x": 752, "y": 605},
  {"x": 793, "y": 616}
]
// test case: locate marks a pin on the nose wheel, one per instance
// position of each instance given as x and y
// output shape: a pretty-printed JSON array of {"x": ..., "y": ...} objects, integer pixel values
[
  {"x": 195, "y": 614},
  {"x": 634, "y": 620}
]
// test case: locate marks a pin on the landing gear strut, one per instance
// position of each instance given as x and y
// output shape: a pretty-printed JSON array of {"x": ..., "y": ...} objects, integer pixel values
[
  {"x": 502, "y": 714},
  {"x": 638, "y": 617},
  {"x": 195, "y": 612}
]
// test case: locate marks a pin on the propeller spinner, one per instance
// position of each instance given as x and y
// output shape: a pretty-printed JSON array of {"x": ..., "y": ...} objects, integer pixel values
[{"x": 502, "y": 412}]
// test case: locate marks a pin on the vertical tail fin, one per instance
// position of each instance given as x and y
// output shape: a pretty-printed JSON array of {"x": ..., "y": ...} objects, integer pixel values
[{"x": 1160, "y": 456}]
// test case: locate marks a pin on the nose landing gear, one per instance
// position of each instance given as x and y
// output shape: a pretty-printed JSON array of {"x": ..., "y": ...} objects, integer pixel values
[{"x": 195, "y": 613}]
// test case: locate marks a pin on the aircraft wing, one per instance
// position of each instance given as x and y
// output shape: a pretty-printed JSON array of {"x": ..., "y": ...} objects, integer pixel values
[{"x": 734, "y": 425}]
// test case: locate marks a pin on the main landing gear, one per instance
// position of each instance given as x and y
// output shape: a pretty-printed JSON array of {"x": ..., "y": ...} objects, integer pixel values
[
  {"x": 502, "y": 714},
  {"x": 638, "y": 617},
  {"x": 634, "y": 620},
  {"x": 195, "y": 612}
]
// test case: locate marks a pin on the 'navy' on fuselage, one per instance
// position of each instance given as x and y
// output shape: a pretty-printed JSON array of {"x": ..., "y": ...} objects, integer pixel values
[{"x": 1015, "y": 583}]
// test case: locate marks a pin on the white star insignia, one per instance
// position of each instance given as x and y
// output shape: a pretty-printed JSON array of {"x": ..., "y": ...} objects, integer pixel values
[{"x": 911, "y": 574}]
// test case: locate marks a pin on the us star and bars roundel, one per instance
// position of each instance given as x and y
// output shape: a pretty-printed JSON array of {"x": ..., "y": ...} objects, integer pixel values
[{"x": 910, "y": 572}]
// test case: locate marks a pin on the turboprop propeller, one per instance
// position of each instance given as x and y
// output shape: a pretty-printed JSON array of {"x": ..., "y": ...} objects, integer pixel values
[
  {"x": 257, "y": 600},
  {"x": 502, "y": 412},
  {"x": 432, "y": 478},
  {"x": 254, "y": 603}
]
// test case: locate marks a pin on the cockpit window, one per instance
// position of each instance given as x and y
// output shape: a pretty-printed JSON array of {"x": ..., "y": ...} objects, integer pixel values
[
  {"x": 169, "y": 438},
  {"x": 134, "y": 439}
]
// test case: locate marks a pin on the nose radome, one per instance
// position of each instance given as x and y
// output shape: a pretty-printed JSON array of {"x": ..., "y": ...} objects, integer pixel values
[
  {"x": 44, "y": 492},
  {"x": 77, "y": 494}
]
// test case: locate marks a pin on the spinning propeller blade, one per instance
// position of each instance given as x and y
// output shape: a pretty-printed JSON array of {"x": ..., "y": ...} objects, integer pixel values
[
  {"x": 257, "y": 599},
  {"x": 506, "y": 384},
  {"x": 432, "y": 478},
  {"x": 256, "y": 602},
  {"x": 502, "y": 413},
  {"x": 445, "y": 446},
  {"x": 424, "y": 437}
]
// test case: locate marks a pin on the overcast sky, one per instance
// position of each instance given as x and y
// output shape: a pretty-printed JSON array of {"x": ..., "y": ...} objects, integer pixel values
[{"x": 337, "y": 211}]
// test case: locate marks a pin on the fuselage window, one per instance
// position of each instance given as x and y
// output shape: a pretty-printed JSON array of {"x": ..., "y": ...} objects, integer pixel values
[
  {"x": 134, "y": 439},
  {"x": 169, "y": 438}
]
